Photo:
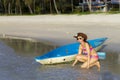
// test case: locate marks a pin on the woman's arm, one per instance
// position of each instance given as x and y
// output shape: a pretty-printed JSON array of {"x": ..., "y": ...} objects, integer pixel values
[
  {"x": 79, "y": 53},
  {"x": 80, "y": 50},
  {"x": 88, "y": 51}
]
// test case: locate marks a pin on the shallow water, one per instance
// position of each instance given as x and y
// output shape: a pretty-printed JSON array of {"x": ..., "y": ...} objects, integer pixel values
[{"x": 17, "y": 63}]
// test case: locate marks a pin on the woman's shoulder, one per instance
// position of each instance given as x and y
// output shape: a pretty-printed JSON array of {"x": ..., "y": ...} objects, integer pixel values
[{"x": 86, "y": 44}]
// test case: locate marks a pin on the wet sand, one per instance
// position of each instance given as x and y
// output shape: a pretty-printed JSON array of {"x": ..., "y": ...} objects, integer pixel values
[{"x": 17, "y": 63}]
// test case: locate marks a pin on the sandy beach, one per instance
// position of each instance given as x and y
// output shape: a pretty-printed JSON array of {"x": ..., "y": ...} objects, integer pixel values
[{"x": 60, "y": 29}]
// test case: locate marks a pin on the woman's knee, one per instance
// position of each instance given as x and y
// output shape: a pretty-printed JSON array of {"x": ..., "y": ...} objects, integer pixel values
[{"x": 78, "y": 57}]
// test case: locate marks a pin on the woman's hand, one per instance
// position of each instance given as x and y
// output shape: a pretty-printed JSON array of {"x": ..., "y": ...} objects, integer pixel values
[
  {"x": 73, "y": 65},
  {"x": 88, "y": 67},
  {"x": 74, "y": 62}
]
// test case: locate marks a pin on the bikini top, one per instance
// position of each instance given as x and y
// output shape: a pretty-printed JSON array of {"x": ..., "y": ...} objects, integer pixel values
[{"x": 85, "y": 50}]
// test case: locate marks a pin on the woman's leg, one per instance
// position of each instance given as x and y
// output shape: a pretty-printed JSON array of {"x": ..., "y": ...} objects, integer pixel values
[
  {"x": 81, "y": 58},
  {"x": 96, "y": 64},
  {"x": 92, "y": 63}
]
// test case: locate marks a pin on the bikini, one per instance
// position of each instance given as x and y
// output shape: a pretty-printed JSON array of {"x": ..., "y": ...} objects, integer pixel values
[{"x": 91, "y": 56}]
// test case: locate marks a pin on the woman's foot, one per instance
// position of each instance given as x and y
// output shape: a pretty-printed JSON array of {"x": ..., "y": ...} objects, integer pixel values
[
  {"x": 73, "y": 65},
  {"x": 98, "y": 65}
]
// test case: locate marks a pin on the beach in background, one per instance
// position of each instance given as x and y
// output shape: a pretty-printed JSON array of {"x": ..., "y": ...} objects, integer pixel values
[{"x": 60, "y": 29}]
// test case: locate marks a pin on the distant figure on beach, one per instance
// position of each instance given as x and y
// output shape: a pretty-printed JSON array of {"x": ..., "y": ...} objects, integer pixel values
[{"x": 86, "y": 53}]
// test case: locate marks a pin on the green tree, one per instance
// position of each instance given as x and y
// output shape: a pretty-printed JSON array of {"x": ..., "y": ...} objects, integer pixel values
[
  {"x": 1, "y": 6},
  {"x": 50, "y": 1},
  {"x": 9, "y": 6},
  {"x": 89, "y": 5},
  {"x": 55, "y": 5},
  {"x": 28, "y": 3},
  {"x": 18, "y": 8},
  {"x": 72, "y": 5},
  {"x": 5, "y": 5}
]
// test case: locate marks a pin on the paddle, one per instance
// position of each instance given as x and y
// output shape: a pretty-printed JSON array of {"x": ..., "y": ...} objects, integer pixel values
[{"x": 102, "y": 55}]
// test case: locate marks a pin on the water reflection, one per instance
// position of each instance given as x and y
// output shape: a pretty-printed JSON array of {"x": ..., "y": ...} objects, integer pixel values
[
  {"x": 113, "y": 61},
  {"x": 28, "y": 48},
  {"x": 17, "y": 63},
  {"x": 108, "y": 76}
]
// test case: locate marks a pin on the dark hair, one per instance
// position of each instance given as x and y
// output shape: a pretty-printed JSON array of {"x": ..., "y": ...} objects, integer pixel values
[{"x": 82, "y": 35}]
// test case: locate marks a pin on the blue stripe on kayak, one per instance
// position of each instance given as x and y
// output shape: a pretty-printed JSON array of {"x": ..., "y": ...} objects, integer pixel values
[{"x": 101, "y": 55}]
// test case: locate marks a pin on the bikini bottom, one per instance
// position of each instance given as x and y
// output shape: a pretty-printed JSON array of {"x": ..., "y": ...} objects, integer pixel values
[
  {"x": 91, "y": 56},
  {"x": 94, "y": 56}
]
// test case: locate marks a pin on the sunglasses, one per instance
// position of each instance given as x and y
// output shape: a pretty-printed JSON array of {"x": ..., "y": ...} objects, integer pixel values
[{"x": 79, "y": 38}]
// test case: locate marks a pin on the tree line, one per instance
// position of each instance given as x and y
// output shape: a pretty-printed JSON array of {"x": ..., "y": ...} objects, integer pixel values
[
  {"x": 47, "y": 6},
  {"x": 37, "y": 6}
]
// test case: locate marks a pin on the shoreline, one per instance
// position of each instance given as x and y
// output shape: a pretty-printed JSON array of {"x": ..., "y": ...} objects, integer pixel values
[
  {"x": 75, "y": 19},
  {"x": 60, "y": 29}
]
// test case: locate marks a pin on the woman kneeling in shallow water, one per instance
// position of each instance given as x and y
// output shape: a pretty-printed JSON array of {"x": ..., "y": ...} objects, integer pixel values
[{"x": 86, "y": 53}]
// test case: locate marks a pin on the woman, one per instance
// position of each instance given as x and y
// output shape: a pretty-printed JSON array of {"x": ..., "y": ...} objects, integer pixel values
[{"x": 86, "y": 53}]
